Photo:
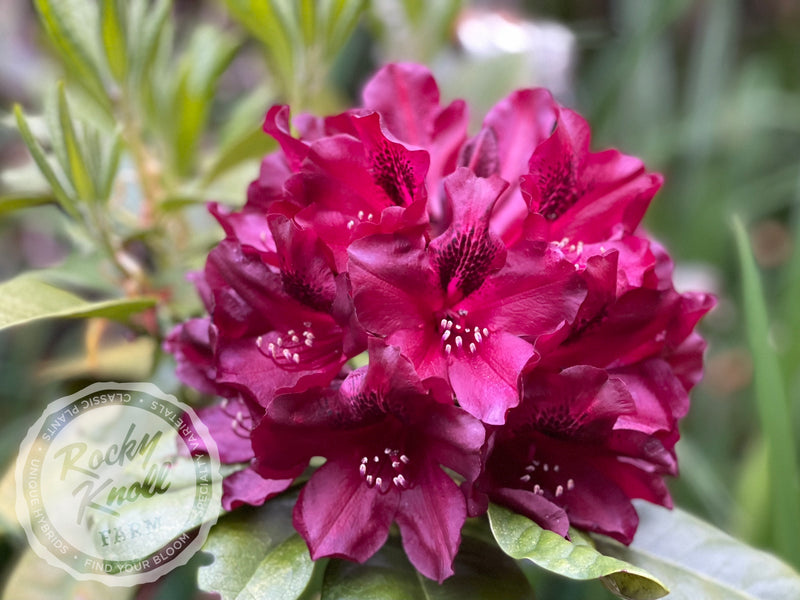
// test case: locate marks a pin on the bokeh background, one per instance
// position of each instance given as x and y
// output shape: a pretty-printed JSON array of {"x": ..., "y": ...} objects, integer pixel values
[{"x": 705, "y": 91}]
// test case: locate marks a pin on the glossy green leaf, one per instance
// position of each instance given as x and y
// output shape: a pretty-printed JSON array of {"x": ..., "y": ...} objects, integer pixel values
[
  {"x": 81, "y": 178},
  {"x": 25, "y": 299},
  {"x": 772, "y": 406},
  {"x": 521, "y": 538},
  {"x": 482, "y": 572},
  {"x": 62, "y": 193},
  {"x": 114, "y": 40},
  {"x": 697, "y": 560},
  {"x": 71, "y": 26},
  {"x": 257, "y": 554}
]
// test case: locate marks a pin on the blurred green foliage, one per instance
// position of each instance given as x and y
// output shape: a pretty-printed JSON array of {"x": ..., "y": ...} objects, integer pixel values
[{"x": 161, "y": 111}]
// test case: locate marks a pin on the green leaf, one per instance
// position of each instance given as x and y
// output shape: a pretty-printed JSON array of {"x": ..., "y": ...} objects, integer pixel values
[
  {"x": 521, "y": 538},
  {"x": 35, "y": 579},
  {"x": 482, "y": 572},
  {"x": 25, "y": 299},
  {"x": 257, "y": 554},
  {"x": 251, "y": 145},
  {"x": 113, "y": 32},
  {"x": 772, "y": 406},
  {"x": 62, "y": 194},
  {"x": 17, "y": 201},
  {"x": 208, "y": 55},
  {"x": 81, "y": 178},
  {"x": 697, "y": 560},
  {"x": 71, "y": 25}
]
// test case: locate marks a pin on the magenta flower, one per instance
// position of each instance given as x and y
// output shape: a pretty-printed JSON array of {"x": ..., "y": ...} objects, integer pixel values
[
  {"x": 561, "y": 459},
  {"x": 463, "y": 308},
  {"x": 385, "y": 436},
  {"x": 525, "y": 343}
]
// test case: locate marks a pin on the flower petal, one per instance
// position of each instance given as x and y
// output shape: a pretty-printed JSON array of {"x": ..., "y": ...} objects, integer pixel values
[
  {"x": 339, "y": 516},
  {"x": 430, "y": 518}
]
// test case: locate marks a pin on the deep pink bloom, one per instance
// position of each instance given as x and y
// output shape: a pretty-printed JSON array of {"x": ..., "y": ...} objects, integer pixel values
[
  {"x": 561, "y": 460},
  {"x": 463, "y": 307},
  {"x": 501, "y": 283},
  {"x": 385, "y": 436}
]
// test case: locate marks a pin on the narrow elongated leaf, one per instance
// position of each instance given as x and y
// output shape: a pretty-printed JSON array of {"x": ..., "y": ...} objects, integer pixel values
[
  {"x": 208, "y": 56},
  {"x": 113, "y": 33},
  {"x": 772, "y": 406},
  {"x": 697, "y": 560},
  {"x": 257, "y": 554},
  {"x": 25, "y": 299},
  {"x": 62, "y": 194},
  {"x": 18, "y": 201},
  {"x": 521, "y": 538},
  {"x": 70, "y": 24},
  {"x": 482, "y": 572},
  {"x": 81, "y": 178}
]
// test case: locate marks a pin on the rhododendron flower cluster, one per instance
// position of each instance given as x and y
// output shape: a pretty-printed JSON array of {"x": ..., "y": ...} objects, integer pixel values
[{"x": 521, "y": 339}]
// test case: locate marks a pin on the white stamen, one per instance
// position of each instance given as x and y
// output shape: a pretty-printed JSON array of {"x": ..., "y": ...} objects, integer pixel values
[
  {"x": 555, "y": 468},
  {"x": 295, "y": 339},
  {"x": 485, "y": 332},
  {"x": 463, "y": 312},
  {"x": 369, "y": 480},
  {"x": 446, "y": 335},
  {"x": 530, "y": 468},
  {"x": 525, "y": 478},
  {"x": 279, "y": 341},
  {"x": 306, "y": 323},
  {"x": 364, "y": 460},
  {"x": 570, "y": 484},
  {"x": 287, "y": 354},
  {"x": 259, "y": 339},
  {"x": 387, "y": 450},
  {"x": 369, "y": 217},
  {"x": 404, "y": 458},
  {"x": 545, "y": 467},
  {"x": 296, "y": 358},
  {"x": 443, "y": 324},
  {"x": 376, "y": 459},
  {"x": 472, "y": 348},
  {"x": 290, "y": 332},
  {"x": 362, "y": 469},
  {"x": 351, "y": 224},
  {"x": 309, "y": 342},
  {"x": 459, "y": 341},
  {"x": 361, "y": 214},
  {"x": 448, "y": 348},
  {"x": 559, "y": 490},
  {"x": 537, "y": 489},
  {"x": 478, "y": 336},
  {"x": 378, "y": 481}
]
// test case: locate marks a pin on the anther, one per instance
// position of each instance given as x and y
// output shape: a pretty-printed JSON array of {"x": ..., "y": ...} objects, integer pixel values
[
  {"x": 259, "y": 340},
  {"x": 537, "y": 489},
  {"x": 306, "y": 323},
  {"x": 485, "y": 332},
  {"x": 448, "y": 348},
  {"x": 279, "y": 341},
  {"x": 296, "y": 358},
  {"x": 472, "y": 348},
  {"x": 443, "y": 323},
  {"x": 459, "y": 341},
  {"x": 378, "y": 481},
  {"x": 570, "y": 484},
  {"x": 525, "y": 478},
  {"x": 404, "y": 458},
  {"x": 559, "y": 490},
  {"x": 362, "y": 469},
  {"x": 369, "y": 480},
  {"x": 478, "y": 337},
  {"x": 446, "y": 335},
  {"x": 361, "y": 214},
  {"x": 351, "y": 224}
]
